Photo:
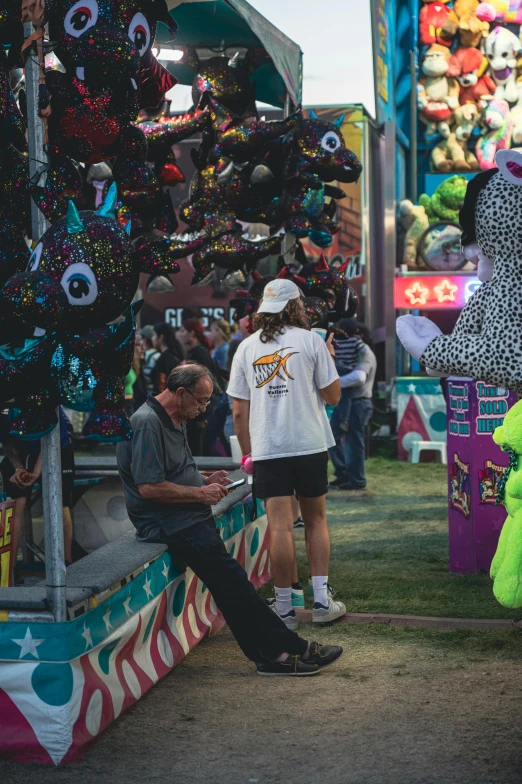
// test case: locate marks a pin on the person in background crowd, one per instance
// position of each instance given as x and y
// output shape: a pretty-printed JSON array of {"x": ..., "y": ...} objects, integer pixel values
[
  {"x": 228, "y": 428},
  {"x": 219, "y": 336},
  {"x": 135, "y": 384},
  {"x": 150, "y": 355},
  {"x": 347, "y": 351},
  {"x": 197, "y": 350},
  {"x": 281, "y": 378},
  {"x": 25, "y": 460},
  {"x": 348, "y": 457},
  {"x": 171, "y": 355},
  {"x": 196, "y": 344}
]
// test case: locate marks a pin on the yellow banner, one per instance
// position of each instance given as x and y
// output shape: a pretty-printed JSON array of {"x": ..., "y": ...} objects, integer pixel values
[{"x": 6, "y": 543}]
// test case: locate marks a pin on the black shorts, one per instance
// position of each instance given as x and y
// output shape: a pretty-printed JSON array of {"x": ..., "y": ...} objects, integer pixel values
[{"x": 306, "y": 475}]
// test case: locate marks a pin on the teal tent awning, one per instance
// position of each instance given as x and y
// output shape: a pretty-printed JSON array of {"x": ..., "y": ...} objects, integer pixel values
[{"x": 215, "y": 26}]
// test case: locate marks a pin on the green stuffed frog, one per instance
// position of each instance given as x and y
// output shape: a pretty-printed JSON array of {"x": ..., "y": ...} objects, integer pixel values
[
  {"x": 506, "y": 567},
  {"x": 446, "y": 201}
]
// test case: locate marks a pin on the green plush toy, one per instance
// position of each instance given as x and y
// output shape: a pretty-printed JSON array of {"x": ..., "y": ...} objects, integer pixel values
[
  {"x": 446, "y": 201},
  {"x": 506, "y": 567}
]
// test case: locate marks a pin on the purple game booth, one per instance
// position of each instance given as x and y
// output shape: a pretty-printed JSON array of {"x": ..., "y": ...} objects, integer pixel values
[{"x": 475, "y": 466}]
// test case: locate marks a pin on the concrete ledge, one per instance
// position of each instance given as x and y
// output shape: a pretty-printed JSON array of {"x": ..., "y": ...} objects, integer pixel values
[{"x": 420, "y": 621}]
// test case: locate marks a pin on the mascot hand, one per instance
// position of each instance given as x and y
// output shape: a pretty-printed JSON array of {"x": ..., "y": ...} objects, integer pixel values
[{"x": 416, "y": 333}]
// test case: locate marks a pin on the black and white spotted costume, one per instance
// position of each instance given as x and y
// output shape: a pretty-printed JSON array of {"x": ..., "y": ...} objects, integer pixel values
[{"x": 486, "y": 343}]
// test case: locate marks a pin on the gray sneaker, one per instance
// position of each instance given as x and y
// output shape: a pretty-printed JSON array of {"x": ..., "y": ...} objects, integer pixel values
[
  {"x": 290, "y": 619},
  {"x": 321, "y": 614}
]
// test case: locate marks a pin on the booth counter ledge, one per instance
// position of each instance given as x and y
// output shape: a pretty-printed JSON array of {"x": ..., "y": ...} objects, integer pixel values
[{"x": 133, "y": 615}]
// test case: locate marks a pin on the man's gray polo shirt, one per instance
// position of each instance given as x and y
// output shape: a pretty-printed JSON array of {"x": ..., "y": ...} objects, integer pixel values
[{"x": 158, "y": 452}]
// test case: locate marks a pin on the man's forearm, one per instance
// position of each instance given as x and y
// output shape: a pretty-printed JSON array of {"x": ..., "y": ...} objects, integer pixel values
[
  {"x": 241, "y": 425},
  {"x": 170, "y": 493},
  {"x": 353, "y": 379},
  {"x": 13, "y": 456}
]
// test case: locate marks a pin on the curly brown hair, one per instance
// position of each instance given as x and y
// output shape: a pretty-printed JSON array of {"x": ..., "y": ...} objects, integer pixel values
[{"x": 272, "y": 324}]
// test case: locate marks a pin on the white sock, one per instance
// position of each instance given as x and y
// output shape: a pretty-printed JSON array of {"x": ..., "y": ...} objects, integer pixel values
[
  {"x": 320, "y": 586},
  {"x": 283, "y": 600}
]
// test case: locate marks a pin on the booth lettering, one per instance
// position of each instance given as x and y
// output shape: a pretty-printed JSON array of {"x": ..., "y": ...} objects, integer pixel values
[
  {"x": 492, "y": 407},
  {"x": 459, "y": 405},
  {"x": 174, "y": 316}
]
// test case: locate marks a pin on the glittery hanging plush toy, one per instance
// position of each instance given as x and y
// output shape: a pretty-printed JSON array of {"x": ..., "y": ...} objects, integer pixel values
[
  {"x": 81, "y": 276},
  {"x": 110, "y": 72},
  {"x": 318, "y": 279},
  {"x": 291, "y": 180},
  {"x": 232, "y": 141}
]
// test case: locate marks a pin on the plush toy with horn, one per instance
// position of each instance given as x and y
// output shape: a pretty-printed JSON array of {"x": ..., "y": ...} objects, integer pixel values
[
  {"x": 485, "y": 342},
  {"x": 295, "y": 191},
  {"x": 318, "y": 279},
  {"x": 81, "y": 276}
]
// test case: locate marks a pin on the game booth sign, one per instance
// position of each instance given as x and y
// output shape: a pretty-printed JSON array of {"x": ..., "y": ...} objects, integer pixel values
[{"x": 476, "y": 466}]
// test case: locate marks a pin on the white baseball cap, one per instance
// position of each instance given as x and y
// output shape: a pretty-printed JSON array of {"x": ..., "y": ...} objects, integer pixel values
[{"x": 277, "y": 294}]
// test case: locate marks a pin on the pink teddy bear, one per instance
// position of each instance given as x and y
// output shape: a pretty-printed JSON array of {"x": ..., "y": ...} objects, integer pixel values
[{"x": 499, "y": 124}]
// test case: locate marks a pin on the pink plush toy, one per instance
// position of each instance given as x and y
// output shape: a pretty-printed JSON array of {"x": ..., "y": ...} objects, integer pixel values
[
  {"x": 247, "y": 465},
  {"x": 499, "y": 123}
]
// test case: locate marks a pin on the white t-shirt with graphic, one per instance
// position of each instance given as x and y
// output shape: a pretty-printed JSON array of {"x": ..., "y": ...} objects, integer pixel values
[{"x": 282, "y": 380}]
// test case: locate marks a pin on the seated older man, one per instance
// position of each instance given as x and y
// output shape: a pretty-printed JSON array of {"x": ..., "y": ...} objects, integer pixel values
[{"x": 169, "y": 500}]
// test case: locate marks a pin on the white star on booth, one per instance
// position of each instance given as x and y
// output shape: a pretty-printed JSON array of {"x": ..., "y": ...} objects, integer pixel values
[
  {"x": 412, "y": 388},
  {"x": 165, "y": 571},
  {"x": 108, "y": 624},
  {"x": 28, "y": 645},
  {"x": 126, "y": 605},
  {"x": 146, "y": 587},
  {"x": 86, "y": 634}
]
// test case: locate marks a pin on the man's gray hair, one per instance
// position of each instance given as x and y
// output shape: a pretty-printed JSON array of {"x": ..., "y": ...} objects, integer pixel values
[{"x": 187, "y": 376}]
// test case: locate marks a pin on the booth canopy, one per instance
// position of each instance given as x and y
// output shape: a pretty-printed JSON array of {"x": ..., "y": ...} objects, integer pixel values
[{"x": 228, "y": 26}]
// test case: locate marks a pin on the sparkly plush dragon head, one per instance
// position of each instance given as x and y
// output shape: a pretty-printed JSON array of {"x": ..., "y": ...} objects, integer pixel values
[
  {"x": 318, "y": 279},
  {"x": 82, "y": 274},
  {"x": 104, "y": 42},
  {"x": 323, "y": 150},
  {"x": 225, "y": 81}
]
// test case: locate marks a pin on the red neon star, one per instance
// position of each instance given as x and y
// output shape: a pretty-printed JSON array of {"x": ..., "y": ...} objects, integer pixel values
[
  {"x": 445, "y": 291},
  {"x": 417, "y": 294}
]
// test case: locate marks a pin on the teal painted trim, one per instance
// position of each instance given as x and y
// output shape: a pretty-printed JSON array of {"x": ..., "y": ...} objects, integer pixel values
[
  {"x": 64, "y": 642},
  {"x": 418, "y": 386}
]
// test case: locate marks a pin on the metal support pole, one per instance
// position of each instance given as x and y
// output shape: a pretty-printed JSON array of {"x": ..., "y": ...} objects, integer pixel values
[
  {"x": 288, "y": 239},
  {"x": 50, "y": 444},
  {"x": 413, "y": 126}
]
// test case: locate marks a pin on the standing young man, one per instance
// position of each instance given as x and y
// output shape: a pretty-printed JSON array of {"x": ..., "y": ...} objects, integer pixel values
[{"x": 280, "y": 380}]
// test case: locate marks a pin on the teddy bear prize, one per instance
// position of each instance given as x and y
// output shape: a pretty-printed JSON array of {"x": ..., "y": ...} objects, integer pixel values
[{"x": 469, "y": 98}]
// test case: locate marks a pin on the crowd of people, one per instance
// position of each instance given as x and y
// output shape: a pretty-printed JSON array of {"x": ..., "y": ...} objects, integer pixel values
[{"x": 161, "y": 348}]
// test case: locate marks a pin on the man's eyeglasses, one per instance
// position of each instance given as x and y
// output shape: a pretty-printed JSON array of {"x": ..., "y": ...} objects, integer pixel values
[{"x": 204, "y": 403}]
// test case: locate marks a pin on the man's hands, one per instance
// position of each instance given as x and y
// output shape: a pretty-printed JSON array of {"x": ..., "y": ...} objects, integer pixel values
[
  {"x": 23, "y": 478},
  {"x": 330, "y": 346},
  {"x": 217, "y": 478},
  {"x": 212, "y": 494}
]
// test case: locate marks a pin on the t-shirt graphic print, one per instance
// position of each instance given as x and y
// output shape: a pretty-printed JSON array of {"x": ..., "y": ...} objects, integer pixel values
[
  {"x": 282, "y": 380},
  {"x": 271, "y": 365}
]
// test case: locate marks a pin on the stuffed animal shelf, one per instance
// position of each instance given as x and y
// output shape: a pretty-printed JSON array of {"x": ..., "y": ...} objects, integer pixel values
[
  {"x": 485, "y": 343},
  {"x": 506, "y": 567}
]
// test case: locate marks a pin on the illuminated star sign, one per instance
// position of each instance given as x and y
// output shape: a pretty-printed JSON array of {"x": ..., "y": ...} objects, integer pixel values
[
  {"x": 445, "y": 291},
  {"x": 417, "y": 294}
]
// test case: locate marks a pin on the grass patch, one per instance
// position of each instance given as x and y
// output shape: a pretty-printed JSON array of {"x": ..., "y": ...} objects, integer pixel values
[{"x": 390, "y": 548}]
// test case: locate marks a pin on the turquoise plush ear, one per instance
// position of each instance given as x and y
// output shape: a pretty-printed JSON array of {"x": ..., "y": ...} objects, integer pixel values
[
  {"x": 312, "y": 115},
  {"x": 128, "y": 227},
  {"x": 338, "y": 123},
  {"x": 108, "y": 208},
  {"x": 74, "y": 222}
]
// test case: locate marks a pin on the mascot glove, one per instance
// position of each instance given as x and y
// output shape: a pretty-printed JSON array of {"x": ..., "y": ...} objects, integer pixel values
[{"x": 416, "y": 333}]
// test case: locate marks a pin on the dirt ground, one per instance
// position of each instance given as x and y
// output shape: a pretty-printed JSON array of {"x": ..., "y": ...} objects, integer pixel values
[{"x": 398, "y": 708}]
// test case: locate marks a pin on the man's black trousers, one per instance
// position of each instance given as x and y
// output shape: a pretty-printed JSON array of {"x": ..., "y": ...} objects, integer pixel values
[{"x": 261, "y": 634}]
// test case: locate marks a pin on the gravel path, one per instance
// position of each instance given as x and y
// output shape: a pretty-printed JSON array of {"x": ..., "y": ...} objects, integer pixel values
[{"x": 391, "y": 711}]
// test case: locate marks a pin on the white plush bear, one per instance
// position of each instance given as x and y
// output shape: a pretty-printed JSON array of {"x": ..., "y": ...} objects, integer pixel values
[{"x": 501, "y": 49}]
